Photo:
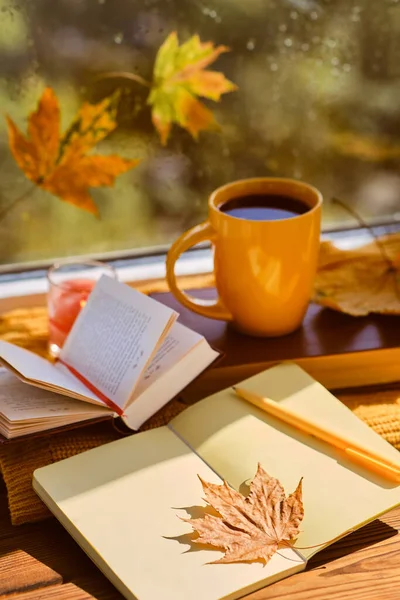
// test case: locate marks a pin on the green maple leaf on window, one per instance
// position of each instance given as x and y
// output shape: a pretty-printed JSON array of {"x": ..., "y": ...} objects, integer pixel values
[{"x": 180, "y": 76}]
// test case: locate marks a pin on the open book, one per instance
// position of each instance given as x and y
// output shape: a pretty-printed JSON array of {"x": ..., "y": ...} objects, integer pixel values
[
  {"x": 126, "y": 355},
  {"x": 124, "y": 514}
]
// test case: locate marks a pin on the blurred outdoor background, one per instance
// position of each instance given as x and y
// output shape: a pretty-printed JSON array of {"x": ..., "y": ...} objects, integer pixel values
[{"x": 318, "y": 100}]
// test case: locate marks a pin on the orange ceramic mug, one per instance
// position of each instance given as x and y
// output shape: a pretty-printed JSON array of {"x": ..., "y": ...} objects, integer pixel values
[{"x": 264, "y": 269}]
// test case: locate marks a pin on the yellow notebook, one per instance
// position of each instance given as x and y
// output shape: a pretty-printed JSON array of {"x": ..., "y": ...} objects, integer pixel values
[{"x": 120, "y": 501}]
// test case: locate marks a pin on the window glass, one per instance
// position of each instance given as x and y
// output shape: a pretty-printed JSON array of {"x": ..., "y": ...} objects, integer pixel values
[{"x": 318, "y": 99}]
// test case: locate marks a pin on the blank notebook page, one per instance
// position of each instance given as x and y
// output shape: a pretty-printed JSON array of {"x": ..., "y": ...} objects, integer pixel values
[{"x": 120, "y": 502}]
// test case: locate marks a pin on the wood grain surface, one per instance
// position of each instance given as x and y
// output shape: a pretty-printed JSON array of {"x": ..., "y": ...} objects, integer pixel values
[
  {"x": 59, "y": 592},
  {"x": 21, "y": 572}
]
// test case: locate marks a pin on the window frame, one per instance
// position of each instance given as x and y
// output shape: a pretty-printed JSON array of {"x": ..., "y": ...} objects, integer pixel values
[
  {"x": 153, "y": 254},
  {"x": 28, "y": 288},
  {"x": 23, "y": 288}
]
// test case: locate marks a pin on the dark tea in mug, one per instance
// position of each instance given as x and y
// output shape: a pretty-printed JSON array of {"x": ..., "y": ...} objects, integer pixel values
[{"x": 264, "y": 207}]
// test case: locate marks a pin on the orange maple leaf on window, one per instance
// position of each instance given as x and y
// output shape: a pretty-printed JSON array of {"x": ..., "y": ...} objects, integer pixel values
[
  {"x": 180, "y": 76},
  {"x": 58, "y": 163}
]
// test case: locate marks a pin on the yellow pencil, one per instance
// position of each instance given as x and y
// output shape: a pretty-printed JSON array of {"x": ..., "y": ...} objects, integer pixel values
[{"x": 363, "y": 456}]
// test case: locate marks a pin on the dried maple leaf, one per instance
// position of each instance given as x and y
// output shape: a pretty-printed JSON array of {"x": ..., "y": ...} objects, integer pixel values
[
  {"x": 250, "y": 528},
  {"x": 361, "y": 281},
  {"x": 59, "y": 164},
  {"x": 180, "y": 76}
]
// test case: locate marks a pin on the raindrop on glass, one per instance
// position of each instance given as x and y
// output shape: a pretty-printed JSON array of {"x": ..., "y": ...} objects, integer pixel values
[
  {"x": 314, "y": 15},
  {"x": 251, "y": 44},
  {"x": 346, "y": 67},
  {"x": 282, "y": 28},
  {"x": 305, "y": 47},
  {"x": 288, "y": 42},
  {"x": 118, "y": 38},
  {"x": 335, "y": 61},
  {"x": 294, "y": 14},
  {"x": 273, "y": 67}
]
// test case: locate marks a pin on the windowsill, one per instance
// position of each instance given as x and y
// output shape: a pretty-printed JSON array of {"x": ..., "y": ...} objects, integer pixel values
[{"x": 24, "y": 289}]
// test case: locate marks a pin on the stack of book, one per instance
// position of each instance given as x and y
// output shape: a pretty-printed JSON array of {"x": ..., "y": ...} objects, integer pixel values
[{"x": 126, "y": 356}]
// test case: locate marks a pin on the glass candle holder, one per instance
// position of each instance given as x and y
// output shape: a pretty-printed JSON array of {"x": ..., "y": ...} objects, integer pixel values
[{"x": 69, "y": 286}]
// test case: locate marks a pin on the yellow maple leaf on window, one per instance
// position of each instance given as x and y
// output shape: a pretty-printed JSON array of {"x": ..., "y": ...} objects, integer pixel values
[
  {"x": 180, "y": 76},
  {"x": 58, "y": 163}
]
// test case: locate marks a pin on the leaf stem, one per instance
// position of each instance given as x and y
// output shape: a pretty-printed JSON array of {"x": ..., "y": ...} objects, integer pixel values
[
  {"x": 16, "y": 201},
  {"x": 331, "y": 541},
  {"x": 124, "y": 75}
]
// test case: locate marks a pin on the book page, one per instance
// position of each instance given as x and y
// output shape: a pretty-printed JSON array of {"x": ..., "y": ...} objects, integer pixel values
[
  {"x": 233, "y": 436},
  {"x": 145, "y": 483},
  {"x": 20, "y": 401},
  {"x": 35, "y": 370},
  {"x": 114, "y": 337},
  {"x": 177, "y": 370},
  {"x": 177, "y": 343}
]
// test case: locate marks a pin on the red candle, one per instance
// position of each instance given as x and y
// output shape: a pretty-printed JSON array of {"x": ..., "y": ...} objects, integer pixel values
[{"x": 66, "y": 301}]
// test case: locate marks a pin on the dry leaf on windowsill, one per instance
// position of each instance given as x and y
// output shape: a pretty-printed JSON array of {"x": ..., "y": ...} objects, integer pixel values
[
  {"x": 59, "y": 163},
  {"x": 249, "y": 528},
  {"x": 361, "y": 281}
]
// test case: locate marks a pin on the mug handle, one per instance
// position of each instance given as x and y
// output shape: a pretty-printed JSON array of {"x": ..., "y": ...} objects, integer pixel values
[{"x": 212, "y": 309}]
